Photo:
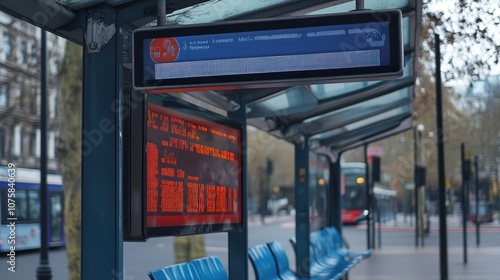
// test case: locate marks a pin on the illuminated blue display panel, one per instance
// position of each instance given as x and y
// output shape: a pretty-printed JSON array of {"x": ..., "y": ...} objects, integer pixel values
[{"x": 347, "y": 47}]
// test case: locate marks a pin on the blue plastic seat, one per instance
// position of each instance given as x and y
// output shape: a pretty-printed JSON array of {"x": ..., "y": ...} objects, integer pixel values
[
  {"x": 328, "y": 258},
  {"x": 293, "y": 242},
  {"x": 263, "y": 263},
  {"x": 279, "y": 254},
  {"x": 210, "y": 268},
  {"x": 335, "y": 264},
  {"x": 332, "y": 250},
  {"x": 318, "y": 268},
  {"x": 182, "y": 271},
  {"x": 339, "y": 245}
]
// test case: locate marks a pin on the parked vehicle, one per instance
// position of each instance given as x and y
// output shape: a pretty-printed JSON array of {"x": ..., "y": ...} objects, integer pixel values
[{"x": 485, "y": 212}]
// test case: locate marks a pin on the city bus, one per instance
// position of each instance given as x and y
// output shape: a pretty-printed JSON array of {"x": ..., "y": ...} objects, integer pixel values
[
  {"x": 354, "y": 203},
  {"x": 20, "y": 209}
]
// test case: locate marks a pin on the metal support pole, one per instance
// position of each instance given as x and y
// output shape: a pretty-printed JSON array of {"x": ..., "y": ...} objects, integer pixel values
[
  {"x": 418, "y": 191},
  {"x": 421, "y": 189},
  {"x": 374, "y": 203},
  {"x": 415, "y": 158},
  {"x": 334, "y": 195},
  {"x": 360, "y": 5},
  {"x": 412, "y": 209},
  {"x": 162, "y": 13},
  {"x": 478, "y": 216},
  {"x": 422, "y": 225},
  {"x": 443, "y": 242},
  {"x": 337, "y": 196},
  {"x": 373, "y": 207},
  {"x": 464, "y": 212},
  {"x": 238, "y": 241},
  {"x": 303, "y": 260},
  {"x": 368, "y": 200},
  {"x": 379, "y": 214},
  {"x": 44, "y": 272},
  {"x": 102, "y": 163}
]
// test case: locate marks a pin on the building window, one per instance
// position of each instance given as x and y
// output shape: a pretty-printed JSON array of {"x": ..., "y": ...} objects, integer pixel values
[
  {"x": 22, "y": 97},
  {"x": 7, "y": 45},
  {"x": 32, "y": 147},
  {"x": 51, "y": 153},
  {"x": 52, "y": 104},
  {"x": 2, "y": 142},
  {"x": 17, "y": 142},
  {"x": 34, "y": 100},
  {"x": 21, "y": 142},
  {"x": 54, "y": 66},
  {"x": 23, "y": 52},
  {"x": 4, "y": 94},
  {"x": 34, "y": 55},
  {"x": 56, "y": 106}
]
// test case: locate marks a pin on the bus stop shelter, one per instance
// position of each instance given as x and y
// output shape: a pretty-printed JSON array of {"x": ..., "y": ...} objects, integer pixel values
[{"x": 326, "y": 118}]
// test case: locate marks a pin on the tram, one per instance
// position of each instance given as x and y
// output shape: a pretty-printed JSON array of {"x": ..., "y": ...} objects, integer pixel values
[{"x": 20, "y": 209}]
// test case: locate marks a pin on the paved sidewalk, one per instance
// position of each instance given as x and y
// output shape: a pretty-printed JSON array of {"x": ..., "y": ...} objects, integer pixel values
[
  {"x": 399, "y": 258},
  {"x": 453, "y": 224},
  {"x": 255, "y": 220}
]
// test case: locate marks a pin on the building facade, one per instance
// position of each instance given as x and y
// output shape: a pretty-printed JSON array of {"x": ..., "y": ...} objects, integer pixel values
[{"x": 20, "y": 93}]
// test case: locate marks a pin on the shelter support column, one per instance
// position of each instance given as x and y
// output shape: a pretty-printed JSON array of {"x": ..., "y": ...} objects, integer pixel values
[
  {"x": 302, "y": 207},
  {"x": 238, "y": 241},
  {"x": 101, "y": 232},
  {"x": 336, "y": 195},
  {"x": 368, "y": 193}
]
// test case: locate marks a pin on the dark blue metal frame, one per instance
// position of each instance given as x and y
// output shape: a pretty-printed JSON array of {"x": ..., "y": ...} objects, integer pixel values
[
  {"x": 238, "y": 241},
  {"x": 102, "y": 234},
  {"x": 302, "y": 260},
  {"x": 336, "y": 208}
]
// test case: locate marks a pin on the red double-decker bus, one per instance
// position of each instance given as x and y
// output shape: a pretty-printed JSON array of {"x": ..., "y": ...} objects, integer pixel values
[
  {"x": 354, "y": 202},
  {"x": 353, "y": 192}
]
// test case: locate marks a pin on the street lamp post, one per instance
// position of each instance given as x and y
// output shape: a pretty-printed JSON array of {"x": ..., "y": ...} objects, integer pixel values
[
  {"x": 478, "y": 216},
  {"x": 417, "y": 139},
  {"x": 44, "y": 271}
]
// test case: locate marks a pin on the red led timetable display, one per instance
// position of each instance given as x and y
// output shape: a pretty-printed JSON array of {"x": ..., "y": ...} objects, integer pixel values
[{"x": 193, "y": 172}]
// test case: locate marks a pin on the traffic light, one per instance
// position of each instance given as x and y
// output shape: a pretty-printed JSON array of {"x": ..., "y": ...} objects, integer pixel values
[{"x": 420, "y": 176}]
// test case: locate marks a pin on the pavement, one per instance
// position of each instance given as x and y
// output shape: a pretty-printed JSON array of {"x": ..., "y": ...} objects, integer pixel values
[{"x": 397, "y": 255}]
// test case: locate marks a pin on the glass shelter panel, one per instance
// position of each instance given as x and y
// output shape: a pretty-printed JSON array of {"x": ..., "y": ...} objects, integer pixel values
[
  {"x": 363, "y": 123},
  {"x": 369, "y": 4},
  {"x": 336, "y": 90},
  {"x": 367, "y": 107}
]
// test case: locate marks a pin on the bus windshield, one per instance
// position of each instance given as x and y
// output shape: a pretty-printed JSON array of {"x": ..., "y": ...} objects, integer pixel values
[{"x": 355, "y": 191}]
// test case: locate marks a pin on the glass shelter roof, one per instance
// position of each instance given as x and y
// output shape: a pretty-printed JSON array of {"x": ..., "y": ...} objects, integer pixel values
[{"x": 335, "y": 116}]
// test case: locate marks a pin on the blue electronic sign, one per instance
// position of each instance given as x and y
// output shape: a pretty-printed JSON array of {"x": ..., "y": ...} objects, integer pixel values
[{"x": 353, "y": 46}]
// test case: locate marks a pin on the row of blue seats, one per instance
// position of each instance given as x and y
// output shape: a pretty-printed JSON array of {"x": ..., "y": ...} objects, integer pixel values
[
  {"x": 207, "y": 268},
  {"x": 329, "y": 259}
]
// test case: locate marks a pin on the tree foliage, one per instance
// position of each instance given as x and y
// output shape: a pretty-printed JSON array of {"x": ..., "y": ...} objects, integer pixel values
[
  {"x": 468, "y": 29},
  {"x": 469, "y": 49}
]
